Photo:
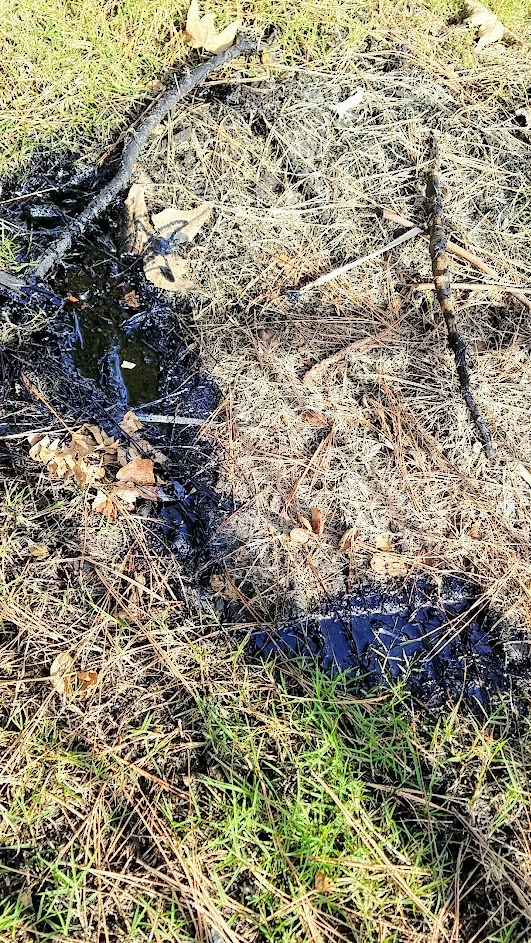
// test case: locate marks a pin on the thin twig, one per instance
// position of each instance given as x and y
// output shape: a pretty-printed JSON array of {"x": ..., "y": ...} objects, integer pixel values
[
  {"x": 339, "y": 355},
  {"x": 130, "y": 155},
  {"x": 441, "y": 276},
  {"x": 343, "y": 269},
  {"x": 468, "y": 286},
  {"x": 464, "y": 254}
]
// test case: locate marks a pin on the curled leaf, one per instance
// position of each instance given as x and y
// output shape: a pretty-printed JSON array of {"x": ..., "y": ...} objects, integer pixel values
[
  {"x": 347, "y": 541},
  {"x": 314, "y": 418},
  {"x": 317, "y": 520},
  {"x": 61, "y": 673},
  {"x": 86, "y": 682},
  {"x": 491, "y": 29}
]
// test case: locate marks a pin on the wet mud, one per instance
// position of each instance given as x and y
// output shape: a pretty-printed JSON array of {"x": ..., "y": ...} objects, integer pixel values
[{"x": 114, "y": 343}]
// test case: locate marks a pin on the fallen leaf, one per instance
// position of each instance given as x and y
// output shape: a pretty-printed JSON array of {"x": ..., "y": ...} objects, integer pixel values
[
  {"x": 323, "y": 884},
  {"x": 170, "y": 273},
  {"x": 72, "y": 298},
  {"x": 306, "y": 523},
  {"x": 300, "y": 535},
  {"x": 181, "y": 226},
  {"x": 86, "y": 681},
  {"x": 137, "y": 229},
  {"x": 352, "y": 102},
  {"x": 314, "y": 418},
  {"x": 105, "y": 506},
  {"x": 139, "y": 471},
  {"x": 127, "y": 365},
  {"x": 201, "y": 32},
  {"x": 474, "y": 531},
  {"x": 383, "y": 543},
  {"x": 317, "y": 520},
  {"x": 130, "y": 423},
  {"x": 39, "y": 551},
  {"x": 491, "y": 29},
  {"x": 61, "y": 673},
  {"x": 347, "y": 541},
  {"x": 388, "y": 564},
  {"x": 131, "y": 299}
]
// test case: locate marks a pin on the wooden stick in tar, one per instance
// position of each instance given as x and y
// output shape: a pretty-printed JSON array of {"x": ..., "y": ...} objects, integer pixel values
[
  {"x": 130, "y": 155},
  {"x": 441, "y": 276}
]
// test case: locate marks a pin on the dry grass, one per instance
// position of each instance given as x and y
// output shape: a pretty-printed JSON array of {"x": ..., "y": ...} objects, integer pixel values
[
  {"x": 295, "y": 193},
  {"x": 201, "y": 795}
]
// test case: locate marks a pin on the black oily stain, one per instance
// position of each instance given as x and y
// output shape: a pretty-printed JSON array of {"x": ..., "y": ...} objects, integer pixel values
[
  {"x": 113, "y": 343},
  {"x": 104, "y": 340},
  {"x": 437, "y": 640}
]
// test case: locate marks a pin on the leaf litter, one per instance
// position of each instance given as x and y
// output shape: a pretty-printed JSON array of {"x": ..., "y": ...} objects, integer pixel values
[
  {"x": 121, "y": 475},
  {"x": 67, "y": 682}
]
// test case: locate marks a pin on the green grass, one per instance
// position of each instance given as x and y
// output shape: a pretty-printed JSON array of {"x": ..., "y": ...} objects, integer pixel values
[{"x": 72, "y": 73}]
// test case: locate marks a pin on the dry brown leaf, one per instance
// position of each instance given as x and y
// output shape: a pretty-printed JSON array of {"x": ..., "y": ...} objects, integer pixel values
[
  {"x": 314, "y": 418},
  {"x": 388, "y": 564},
  {"x": 323, "y": 884},
  {"x": 131, "y": 299},
  {"x": 86, "y": 682},
  {"x": 140, "y": 472},
  {"x": 61, "y": 673},
  {"x": 300, "y": 535},
  {"x": 103, "y": 504},
  {"x": 491, "y": 29},
  {"x": 181, "y": 226},
  {"x": 317, "y": 520},
  {"x": 137, "y": 228},
  {"x": 347, "y": 541},
  {"x": 39, "y": 551},
  {"x": 383, "y": 543},
  {"x": 170, "y": 273},
  {"x": 306, "y": 523},
  {"x": 201, "y": 31},
  {"x": 474, "y": 531},
  {"x": 130, "y": 423}
]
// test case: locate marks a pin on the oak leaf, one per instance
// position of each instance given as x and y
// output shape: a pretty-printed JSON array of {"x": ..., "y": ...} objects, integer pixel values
[{"x": 201, "y": 31}]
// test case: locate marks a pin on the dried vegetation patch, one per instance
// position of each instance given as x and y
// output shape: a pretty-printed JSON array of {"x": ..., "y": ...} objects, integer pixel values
[{"x": 378, "y": 439}]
